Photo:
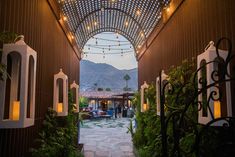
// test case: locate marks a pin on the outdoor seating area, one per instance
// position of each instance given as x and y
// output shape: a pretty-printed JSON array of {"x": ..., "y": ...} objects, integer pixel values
[{"x": 97, "y": 114}]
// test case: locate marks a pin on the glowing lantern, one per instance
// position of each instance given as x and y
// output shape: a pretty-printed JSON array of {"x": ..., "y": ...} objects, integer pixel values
[
  {"x": 60, "y": 101},
  {"x": 144, "y": 102},
  {"x": 219, "y": 107},
  {"x": 76, "y": 94},
  {"x": 17, "y": 93},
  {"x": 164, "y": 77}
]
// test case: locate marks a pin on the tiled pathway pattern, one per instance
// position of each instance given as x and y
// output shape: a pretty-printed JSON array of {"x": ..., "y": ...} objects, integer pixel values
[{"x": 106, "y": 138}]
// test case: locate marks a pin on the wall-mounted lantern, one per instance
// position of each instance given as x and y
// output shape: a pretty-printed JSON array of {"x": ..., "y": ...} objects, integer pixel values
[
  {"x": 144, "y": 101},
  {"x": 60, "y": 100},
  {"x": 17, "y": 93},
  {"x": 75, "y": 89},
  {"x": 164, "y": 77},
  {"x": 216, "y": 107}
]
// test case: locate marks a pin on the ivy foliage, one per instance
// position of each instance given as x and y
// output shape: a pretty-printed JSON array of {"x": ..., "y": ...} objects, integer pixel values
[
  {"x": 147, "y": 138},
  {"x": 58, "y": 139},
  {"x": 5, "y": 37}
]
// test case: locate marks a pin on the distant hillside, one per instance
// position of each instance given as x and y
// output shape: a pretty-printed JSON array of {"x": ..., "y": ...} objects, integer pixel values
[{"x": 99, "y": 75}]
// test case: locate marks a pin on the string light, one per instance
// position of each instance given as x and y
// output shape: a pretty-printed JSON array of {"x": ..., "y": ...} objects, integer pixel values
[
  {"x": 142, "y": 34},
  {"x": 95, "y": 23},
  {"x": 126, "y": 23},
  {"x": 138, "y": 12},
  {"x": 88, "y": 27},
  {"x": 107, "y": 48},
  {"x": 64, "y": 18},
  {"x": 112, "y": 40}
]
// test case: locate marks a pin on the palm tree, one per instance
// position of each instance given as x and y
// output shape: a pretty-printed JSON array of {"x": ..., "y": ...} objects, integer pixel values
[{"x": 126, "y": 78}]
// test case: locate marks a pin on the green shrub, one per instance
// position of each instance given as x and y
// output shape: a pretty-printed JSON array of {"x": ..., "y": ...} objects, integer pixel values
[{"x": 58, "y": 137}]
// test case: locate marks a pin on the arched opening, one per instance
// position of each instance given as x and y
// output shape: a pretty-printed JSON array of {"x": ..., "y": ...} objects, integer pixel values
[
  {"x": 12, "y": 96},
  {"x": 108, "y": 80}
]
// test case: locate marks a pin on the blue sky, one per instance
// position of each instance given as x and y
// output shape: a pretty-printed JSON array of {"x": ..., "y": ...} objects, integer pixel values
[{"x": 119, "y": 52}]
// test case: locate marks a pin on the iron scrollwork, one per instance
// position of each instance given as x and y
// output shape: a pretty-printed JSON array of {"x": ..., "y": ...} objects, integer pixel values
[{"x": 204, "y": 134}]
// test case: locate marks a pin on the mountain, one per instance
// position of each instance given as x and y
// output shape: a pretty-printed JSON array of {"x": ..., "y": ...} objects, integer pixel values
[{"x": 101, "y": 75}]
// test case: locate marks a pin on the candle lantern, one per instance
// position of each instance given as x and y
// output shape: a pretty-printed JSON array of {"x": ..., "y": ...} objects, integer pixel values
[
  {"x": 220, "y": 105},
  {"x": 60, "y": 100},
  {"x": 144, "y": 101},
  {"x": 17, "y": 93},
  {"x": 75, "y": 87},
  {"x": 164, "y": 77}
]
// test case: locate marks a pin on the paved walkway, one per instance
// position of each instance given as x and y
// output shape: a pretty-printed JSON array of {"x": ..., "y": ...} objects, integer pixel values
[{"x": 106, "y": 138}]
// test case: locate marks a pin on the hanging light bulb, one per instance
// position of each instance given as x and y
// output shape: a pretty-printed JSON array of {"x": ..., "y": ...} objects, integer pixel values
[
  {"x": 88, "y": 28},
  {"x": 119, "y": 43},
  {"x": 96, "y": 42},
  {"x": 126, "y": 23},
  {"x": 109, "y": 47},
  {"x": 138, "y": 12},
  {"x": 116, "y": 35},
  {"x": 86, "y": 55},
  {"x": 142, "y": 34},
  {"x": 103, "y": 56},
  {"x": 130, "y": 47},
  {"x": 95, "y": 23},
  {"x": 139, "y": 46},
  {"x": 64, "y": 18},
  {"x": 89, "y": 48}
]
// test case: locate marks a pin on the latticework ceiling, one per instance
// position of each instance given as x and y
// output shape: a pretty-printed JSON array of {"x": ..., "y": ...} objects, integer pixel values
[{"x": 134, "y": 19}]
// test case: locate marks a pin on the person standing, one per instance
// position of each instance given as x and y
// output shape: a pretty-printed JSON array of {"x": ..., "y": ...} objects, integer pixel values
[{"x": 119, "y": 111}]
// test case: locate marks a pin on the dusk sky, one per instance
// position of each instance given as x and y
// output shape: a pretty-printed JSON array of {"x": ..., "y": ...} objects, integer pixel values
[{"x": 100, "y": 50}]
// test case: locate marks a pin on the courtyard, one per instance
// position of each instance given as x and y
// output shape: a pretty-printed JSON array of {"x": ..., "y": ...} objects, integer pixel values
[{"x": 106, "y": 138}]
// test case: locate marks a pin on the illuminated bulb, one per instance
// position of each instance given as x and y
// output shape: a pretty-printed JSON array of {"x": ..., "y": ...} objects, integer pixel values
[
  {"x": 138, "y": 12},
  {"x": 139, "y": 46},
  {"x": 88, "y": 27},
  {"x": 168, "y": 9},
  {"x": 126, "y": 23},
  {"x": 95, "y": 23},
  {"x": 72, "y": 36},
  {"x": 142, "y": 34},
  {"x": 112, "y": 0},
  {"x": 65, "y": 18}
]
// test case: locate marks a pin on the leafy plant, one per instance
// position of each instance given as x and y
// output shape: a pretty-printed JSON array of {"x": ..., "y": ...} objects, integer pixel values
[
  {"x": 147, "y": 138},
  {"x": 126, "y": 78},
  {"x": 5, "y": 37},
  {"x": 83, "y": 102},
  {"x": 58, "y": 137}
]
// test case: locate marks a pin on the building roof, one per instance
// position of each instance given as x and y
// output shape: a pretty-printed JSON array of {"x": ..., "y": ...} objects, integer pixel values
[{"x": 103, "y": 94}]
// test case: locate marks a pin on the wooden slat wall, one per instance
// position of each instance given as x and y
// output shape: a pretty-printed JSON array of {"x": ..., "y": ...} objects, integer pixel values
[
  {"x": 186, "y": 34},
  {"x": 36, "y": 21}
]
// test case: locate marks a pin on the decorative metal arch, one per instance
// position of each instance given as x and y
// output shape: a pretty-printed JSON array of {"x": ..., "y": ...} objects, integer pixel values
[{"x": 134, "y": 19}]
